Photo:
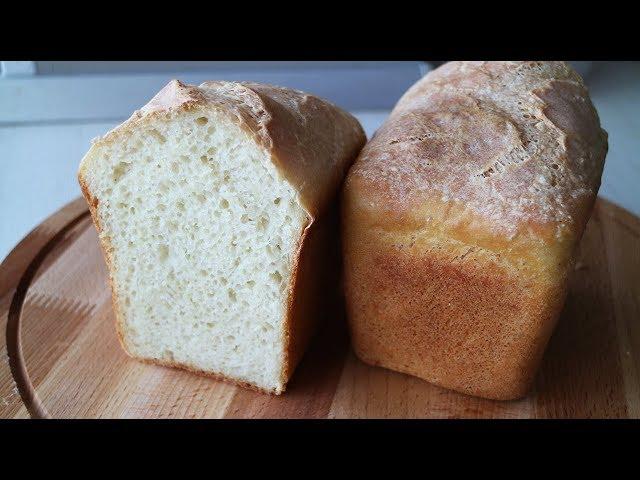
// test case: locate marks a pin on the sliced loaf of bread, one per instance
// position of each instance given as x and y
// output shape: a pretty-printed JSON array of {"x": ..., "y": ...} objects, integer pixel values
[{"x": 209, "y": 203}]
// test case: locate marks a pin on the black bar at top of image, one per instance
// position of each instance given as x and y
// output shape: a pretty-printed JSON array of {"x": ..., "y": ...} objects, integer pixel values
[{"x": 467, "y": 33}]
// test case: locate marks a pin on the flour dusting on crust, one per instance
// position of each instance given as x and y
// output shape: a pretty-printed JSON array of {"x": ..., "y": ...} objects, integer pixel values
[{"x": 516, "y": 143}]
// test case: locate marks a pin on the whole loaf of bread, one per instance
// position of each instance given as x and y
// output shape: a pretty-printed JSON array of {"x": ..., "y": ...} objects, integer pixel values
[{"x": 460, "y": 219}]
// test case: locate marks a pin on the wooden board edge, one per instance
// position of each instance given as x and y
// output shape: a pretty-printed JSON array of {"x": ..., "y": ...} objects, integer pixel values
[{"x": 17, "y": 271}]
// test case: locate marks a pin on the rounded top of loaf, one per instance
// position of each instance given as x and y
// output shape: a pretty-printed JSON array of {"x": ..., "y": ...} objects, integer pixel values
[
  {"x": 514, "y": 145},
  {"x": 311, "y": 141}
]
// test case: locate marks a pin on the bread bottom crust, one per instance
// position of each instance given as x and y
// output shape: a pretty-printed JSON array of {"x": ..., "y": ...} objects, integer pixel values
[
  {"x": 190, "y": 368},
  {"x": 214, "y": 375}
]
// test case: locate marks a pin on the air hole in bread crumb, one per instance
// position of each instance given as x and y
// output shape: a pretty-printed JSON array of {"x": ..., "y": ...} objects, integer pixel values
[
  {"x": 163, "y": 252},
  {"x": 157, "y": 135},
  {"x": 276, "y": 200},
  {"x": 554, "y": 166},
  {"x": 120, "y": 170},
  {"x": 202, "y": 120},
  {"x": 168, "y": 355},
  {"x": 276, "y": 277},
  {"x": 232, "y": 294}
]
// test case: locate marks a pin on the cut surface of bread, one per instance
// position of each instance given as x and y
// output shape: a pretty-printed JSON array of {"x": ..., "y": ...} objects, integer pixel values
[
  {"x": 460, "y": 219},
  {"x": 201, "y": 232}
]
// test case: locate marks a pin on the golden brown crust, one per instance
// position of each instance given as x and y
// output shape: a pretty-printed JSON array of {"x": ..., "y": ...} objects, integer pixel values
[
  {"x": 455, "y": 315},
  {"x": 311, "y": 142},
  {"x": 461, "y": 217},
  {"x": 197, "y": 371}
]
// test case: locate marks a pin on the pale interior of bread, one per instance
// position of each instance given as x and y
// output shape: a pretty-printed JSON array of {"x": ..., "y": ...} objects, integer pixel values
[{"x": 204, "y": 233}]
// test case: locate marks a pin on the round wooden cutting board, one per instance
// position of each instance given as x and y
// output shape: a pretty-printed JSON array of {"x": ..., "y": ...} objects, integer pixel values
[{"x": 61, "y": 357}]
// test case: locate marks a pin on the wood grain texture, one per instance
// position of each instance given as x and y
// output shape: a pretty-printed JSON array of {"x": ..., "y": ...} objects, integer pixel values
[{"x": 60, "y": 357}]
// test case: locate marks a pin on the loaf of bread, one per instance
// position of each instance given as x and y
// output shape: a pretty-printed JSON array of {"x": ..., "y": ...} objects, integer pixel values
[
  {"x": 209, "y": 203},
  {"x": 460, "y": 219}
]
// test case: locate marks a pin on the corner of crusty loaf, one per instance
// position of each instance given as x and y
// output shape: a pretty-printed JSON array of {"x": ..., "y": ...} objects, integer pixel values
[{"x": 201, "y": 235}]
